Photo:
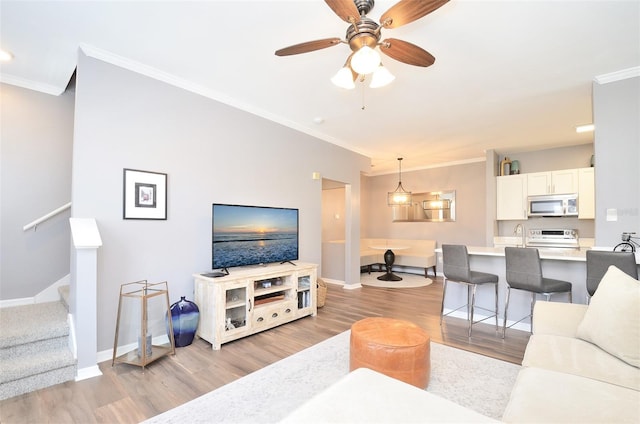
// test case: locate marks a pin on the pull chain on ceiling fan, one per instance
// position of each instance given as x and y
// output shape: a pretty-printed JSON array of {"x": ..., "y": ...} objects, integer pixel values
[{"x": 363, "y": 37}]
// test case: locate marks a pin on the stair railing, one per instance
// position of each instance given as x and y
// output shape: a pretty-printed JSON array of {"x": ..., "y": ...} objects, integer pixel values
[{"x": 43, "y": 218}]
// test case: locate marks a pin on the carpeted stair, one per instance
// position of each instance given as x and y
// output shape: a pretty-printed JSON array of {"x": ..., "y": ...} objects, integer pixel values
[{"x": 34, "y": 348}]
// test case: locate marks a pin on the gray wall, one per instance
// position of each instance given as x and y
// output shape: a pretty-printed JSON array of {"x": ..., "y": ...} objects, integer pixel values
[
  {"x": 469, "y": 182},
  {"x": 475, "y": 197},
  {"x": 211, "y": 153},
  {"x": 616, "y": 110},
  {"x": 333, "y": 208},
  {"x": 552, "y": 159},
  {"x": 35, "y": 178}
]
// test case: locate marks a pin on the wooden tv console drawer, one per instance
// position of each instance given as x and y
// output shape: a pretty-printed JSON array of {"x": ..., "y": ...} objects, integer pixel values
[
  {"x": 270, "y": 316},
  {"x": 254, "y": 299}
]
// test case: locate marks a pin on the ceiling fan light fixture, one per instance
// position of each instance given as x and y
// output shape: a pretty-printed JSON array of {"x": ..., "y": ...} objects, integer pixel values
[
  {"x": 399, "y": 196},
  {"x": 381, "y": 77},
  {"x": 365, "y": 60},
  {"x": 344, "y": 79}
]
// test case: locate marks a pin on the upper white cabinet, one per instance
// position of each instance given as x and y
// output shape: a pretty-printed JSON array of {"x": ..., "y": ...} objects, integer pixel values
[
  {"x": 554, "y": 182},
  {"x": 512, "y": 191},
  {"x": 511, "y": 195},
  {"x": 586, "y": 194}
]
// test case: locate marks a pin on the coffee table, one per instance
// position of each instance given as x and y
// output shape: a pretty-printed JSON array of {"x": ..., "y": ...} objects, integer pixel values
[{"x": 389, "y": 259}]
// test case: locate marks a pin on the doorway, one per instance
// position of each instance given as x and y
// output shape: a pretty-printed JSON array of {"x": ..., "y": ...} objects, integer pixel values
[{"x": 334, "y": 230}]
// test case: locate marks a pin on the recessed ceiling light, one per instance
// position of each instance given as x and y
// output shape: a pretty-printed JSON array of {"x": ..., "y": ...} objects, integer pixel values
[
  {"x": 5, "y": 56},
  {"x": 318, "y": 119},
  {"x": 585, "y": 128}
]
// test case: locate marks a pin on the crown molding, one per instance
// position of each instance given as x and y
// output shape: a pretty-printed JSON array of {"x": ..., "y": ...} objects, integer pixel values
[
  {"x": 438, "y": 165},
  {"x": 618, "y": 75},
  {"x": 32, "y": 85}
]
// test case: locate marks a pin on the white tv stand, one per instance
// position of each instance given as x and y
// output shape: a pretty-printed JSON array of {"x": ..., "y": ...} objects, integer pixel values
[{"x": 254, "y": 299}]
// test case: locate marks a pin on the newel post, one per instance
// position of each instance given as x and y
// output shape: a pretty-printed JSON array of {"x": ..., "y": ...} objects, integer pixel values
[{"x": 83, "y": 295}]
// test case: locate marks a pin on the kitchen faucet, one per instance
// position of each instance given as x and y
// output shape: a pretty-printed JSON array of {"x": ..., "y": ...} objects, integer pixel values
[{"x": 519, "y": 230}]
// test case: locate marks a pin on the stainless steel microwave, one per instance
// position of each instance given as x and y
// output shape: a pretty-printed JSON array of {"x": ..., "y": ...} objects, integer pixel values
[{"x": 553, "y": 205}]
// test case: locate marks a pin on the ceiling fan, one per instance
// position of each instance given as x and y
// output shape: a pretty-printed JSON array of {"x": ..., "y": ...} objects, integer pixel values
[{"x": 363, "y": 36}]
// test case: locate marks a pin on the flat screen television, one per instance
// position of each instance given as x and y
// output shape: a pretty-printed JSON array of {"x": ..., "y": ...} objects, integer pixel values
[{"x": 252, "y": 235}]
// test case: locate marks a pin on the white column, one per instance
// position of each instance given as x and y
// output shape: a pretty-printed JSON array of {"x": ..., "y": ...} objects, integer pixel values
[{"x": 83, "y": 294}]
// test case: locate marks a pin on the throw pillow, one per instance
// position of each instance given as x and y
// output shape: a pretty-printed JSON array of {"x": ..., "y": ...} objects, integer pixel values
[{"x": 612, "y": 320}]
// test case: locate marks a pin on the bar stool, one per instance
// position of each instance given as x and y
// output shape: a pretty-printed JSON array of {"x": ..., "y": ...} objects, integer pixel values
[
  {"x": 455, "y": 260},
  {"x": 598, "y": 262},
  {"x": 524, "y": 272}
]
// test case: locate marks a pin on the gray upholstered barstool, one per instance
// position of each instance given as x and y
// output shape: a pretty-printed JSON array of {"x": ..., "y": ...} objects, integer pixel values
[
  {"x": 598, "y": 263},
  {"x": 455, "y": 259},
  {"x": 524, "y": 272}
]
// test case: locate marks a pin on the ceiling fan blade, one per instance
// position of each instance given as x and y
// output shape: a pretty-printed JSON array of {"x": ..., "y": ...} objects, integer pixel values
[
  {"x": 406, "y": 11},
  {"x": 309, "y": 46},
  {"x": 345, "y": 9},
  {"x": 406, "y": 52}
]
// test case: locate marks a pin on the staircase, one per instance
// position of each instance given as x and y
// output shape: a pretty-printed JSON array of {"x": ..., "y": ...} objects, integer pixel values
[{"x": 34, "y": 348}]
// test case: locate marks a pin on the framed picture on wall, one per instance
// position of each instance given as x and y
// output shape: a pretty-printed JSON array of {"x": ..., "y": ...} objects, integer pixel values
[{"x": 145, "y": 195}]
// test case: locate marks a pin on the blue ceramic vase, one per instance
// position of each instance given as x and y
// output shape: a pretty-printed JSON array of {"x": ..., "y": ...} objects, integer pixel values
[{"x": 184, "y": 318}]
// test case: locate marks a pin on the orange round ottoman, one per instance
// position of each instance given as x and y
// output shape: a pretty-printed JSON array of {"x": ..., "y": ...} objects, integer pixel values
[{"x": 396, "y": 348}]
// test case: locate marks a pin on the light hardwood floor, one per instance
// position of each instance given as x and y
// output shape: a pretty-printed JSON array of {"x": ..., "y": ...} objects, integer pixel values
[{"x": 127, "y": 394}]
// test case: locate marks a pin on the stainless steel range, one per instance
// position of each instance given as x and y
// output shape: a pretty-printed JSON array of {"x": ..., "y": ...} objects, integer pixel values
[{"x": 552, "y": 238}]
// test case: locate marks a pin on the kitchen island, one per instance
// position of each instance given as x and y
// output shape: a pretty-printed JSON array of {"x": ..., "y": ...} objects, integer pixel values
[{"x": 567, "y": 265}]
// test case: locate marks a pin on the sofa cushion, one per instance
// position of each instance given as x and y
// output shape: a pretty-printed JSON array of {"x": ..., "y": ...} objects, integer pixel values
[
  {"x": 543, "y": 396},
  {"x": 557, "y": 318},
  {"x": 611, "y": 321},
  {"x": 578, "y": 357}
]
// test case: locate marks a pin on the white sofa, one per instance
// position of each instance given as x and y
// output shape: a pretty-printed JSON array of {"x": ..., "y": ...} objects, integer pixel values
[
  {"x": 419, "y": 254},
  {"x": 366, "y": 396},
  {"x": 581, "y": 365},
  {"x": 582, "y": 362}
]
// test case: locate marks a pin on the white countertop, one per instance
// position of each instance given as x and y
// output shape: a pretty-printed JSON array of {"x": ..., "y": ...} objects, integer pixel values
[
  {"x": 558, "y": 255},
  {"x": 554, "y": 254},
  {"x": 551, "y": 254}
]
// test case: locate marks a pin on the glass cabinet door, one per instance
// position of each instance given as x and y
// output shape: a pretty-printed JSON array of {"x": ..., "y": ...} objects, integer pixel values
[
  {"x": 236, "y": 308},
  {"x": 304, "y": 291}
]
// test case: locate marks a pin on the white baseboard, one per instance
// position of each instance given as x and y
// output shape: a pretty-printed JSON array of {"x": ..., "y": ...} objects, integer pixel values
[
  {"x": 332, "y": 281},
  {"x": 50, "y": 294},
  {"x": 476, "y": 317},
  {"x": 107, "y": 355},
  {"x": 88, "y": 372},
  {"x": 17, "y": 302},
  {"x": 342, "y": 283}
]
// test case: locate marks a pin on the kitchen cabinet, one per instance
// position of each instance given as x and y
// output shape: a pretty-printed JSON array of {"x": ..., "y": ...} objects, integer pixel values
[
  {"x": 511, "y": 195},
  {"x": 553, "y": 182},
  {"x": 586, "y": 194}
]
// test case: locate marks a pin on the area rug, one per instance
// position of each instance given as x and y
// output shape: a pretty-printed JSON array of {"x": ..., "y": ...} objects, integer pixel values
[
  {"x": 271, "y": 393},
  {"x": 408, "y": 280}
]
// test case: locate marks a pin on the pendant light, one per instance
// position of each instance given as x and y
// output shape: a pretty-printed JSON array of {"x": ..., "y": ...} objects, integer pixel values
[{"x": 400, "y": 196}]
